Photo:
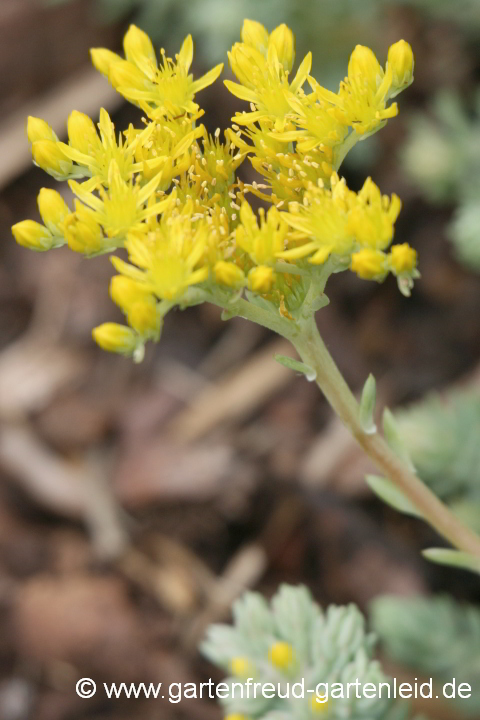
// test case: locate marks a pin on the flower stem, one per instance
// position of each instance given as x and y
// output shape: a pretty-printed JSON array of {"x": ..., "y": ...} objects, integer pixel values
[{"x": 312, "y": 350}]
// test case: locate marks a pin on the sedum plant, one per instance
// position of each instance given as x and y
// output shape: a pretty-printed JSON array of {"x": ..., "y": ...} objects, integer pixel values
[
  {"x": 436, "y": 636},
  {"x": 294, "y": 641},
  {"x": 441, "y": 436},
  {"x": 168, "y": 194}
]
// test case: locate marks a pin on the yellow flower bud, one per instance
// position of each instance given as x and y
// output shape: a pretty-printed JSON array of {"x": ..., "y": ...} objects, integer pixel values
[
  {"x": 48, "y": 155},
  {"x": 241, "y": 667},
  {"x": 368, "y": 264},
  {"x": 82, "y": 233},
  {"x": 82, "y": 133},
  {"x": 227, "y": 273},
  {"x": 235, "y": 716},
  {"x": 400, "y": 58},
  {"x": 143, "y": 317},
  {"x": 53, "y": 209},
  {"x": 281, "y": 655},
  {"x": 282, "y": 38},
  {"x": 102, "y": 59},
  {"x": 38, "y": 129},
  {"x": 115, "y": 338},
  {"x": 363, "y": 63},
  {"x": 138, "y": 47},
  {"x": 125, "y": 292},
  {"x": 32, "y": 235},
  {"x": 254, "y": 34},
  {"x": 260, "y": 279},
  {"x": 321, "y": 255},
  {"x": 320, "y": 705},
  {"x": 402, "y": 258}
]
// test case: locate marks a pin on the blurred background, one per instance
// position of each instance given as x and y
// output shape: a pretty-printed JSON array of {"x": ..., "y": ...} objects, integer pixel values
[{"x": 138, "y": 501}]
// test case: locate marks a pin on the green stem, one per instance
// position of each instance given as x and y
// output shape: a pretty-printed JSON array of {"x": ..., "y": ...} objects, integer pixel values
[
  {"x": 331, "y": 382},
  {"x": 304, "y": 336},
  {"x": 343, "y": 149}
]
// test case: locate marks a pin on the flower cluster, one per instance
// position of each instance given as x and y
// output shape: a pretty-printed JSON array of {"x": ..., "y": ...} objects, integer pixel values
[
  {"x": 168, "y": 193},
  {"x": 294, "y": 641}
]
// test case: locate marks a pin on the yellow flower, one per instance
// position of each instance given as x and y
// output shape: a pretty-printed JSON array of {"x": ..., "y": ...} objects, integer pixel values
[
  {"x": 264, "y": 75},
  {"x": 261, "y": 278},
  {"x": 116, "y": 338},
  {"x": 323, "y": 221},
  {"x": 96, "y": 153},
  {"x": 361, "y": 100},
  {"x": 265, "y": 241},
  {"x": 227, "y": 273},
  {"x": 171, "y": 275},
  {"x": 218, "y": 160},
  {"x": 170, "y": 193},
  {"x": 281, "y": 655},
  {"x": 241, "y": 667},
  {"x": 403, "y": 258},
  {"x": 400, "y": 58},
  {"x": 165, "y": 148},
  {"x": 167, "y": 86},
  {"x": 369, "y": 264},
  {"x": 319, "y": 706},
  {"x": 32, "y": 235},
  {"x": 317, "y": 128},
  {"x": 167, "y": 260},
  {"x": 124, "y": 206},
  {"x": 373, "y": 217}
]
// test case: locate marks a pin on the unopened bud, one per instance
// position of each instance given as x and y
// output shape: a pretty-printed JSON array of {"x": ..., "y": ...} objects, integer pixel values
[
  {"x": 260, "y": 279},
  {"x": 283, "y": 40},
  {"x": 227, "y": 273},
  {"x": 48, "y": 155},
  {"x": 400, "y": 59},
  {"x": 53, "y": 208},
  {"x": 364, "y": 64},
  {"x": 38, "y": 129},
  {"x": 82, "y": 232},
  {"x": 254, "y": 34},
  {"x": 32, "y": 235},
  {"x": 82, "y": 133},
  {"x": 115, "y": 338}
]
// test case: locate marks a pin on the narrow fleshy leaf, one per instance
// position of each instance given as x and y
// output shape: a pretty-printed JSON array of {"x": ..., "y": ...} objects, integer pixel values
[
  {"x": 453, "y": 558},
  {"x": 297, "y": 366},
  {"x": 367, "y": 405},
  {"x": 391, "y": 495}
]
